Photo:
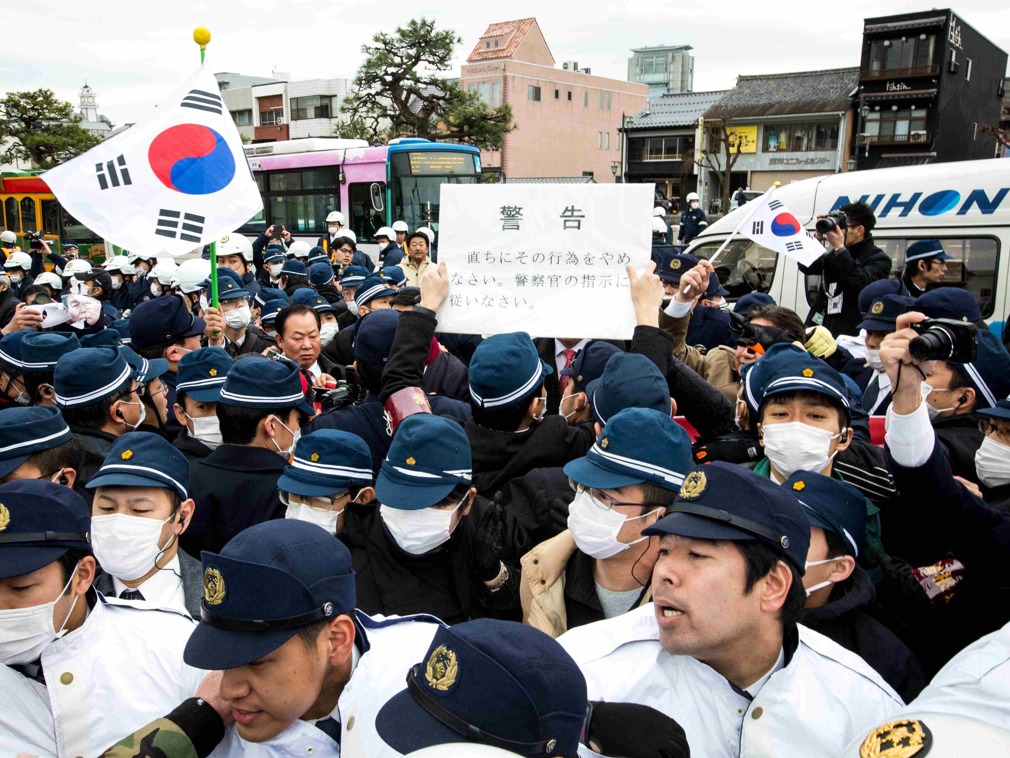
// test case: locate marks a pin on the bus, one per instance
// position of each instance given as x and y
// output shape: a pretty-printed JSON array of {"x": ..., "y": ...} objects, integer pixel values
[
  {"x": 304, "y": 180},
  {"x": 28, "y": 205}
]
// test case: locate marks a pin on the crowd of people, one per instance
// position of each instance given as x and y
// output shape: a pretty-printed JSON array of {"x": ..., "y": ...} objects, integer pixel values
[{"x": 284, "y": 514}]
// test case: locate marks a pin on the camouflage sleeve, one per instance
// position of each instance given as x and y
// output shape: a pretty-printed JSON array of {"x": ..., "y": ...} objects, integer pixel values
[{"x": 192, "y": 730}]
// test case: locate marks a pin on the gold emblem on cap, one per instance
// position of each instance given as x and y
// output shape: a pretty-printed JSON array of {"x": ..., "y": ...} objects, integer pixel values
[
  {"x": 897, "y": 739},
  {"x": 5, "y": 517},
  {"x": 225, "y": 238},
  {"x": 314, "y": 457},
  {"x": 442, "y": 669},
  {"x": 213, "y": 372},
  {"x": 411, "y": 461},
  {"x": 675, "y": 263},
  {"x": 808, "y": 372},
  {"x": 799, "y": 486},
  {"x": 694, "y": 484},
  {"x": 127, "y": 454},
  {"x": 877, "y": 308},
  {"x": 213, "y": 587},
  {"x": 605, "y": 443}
]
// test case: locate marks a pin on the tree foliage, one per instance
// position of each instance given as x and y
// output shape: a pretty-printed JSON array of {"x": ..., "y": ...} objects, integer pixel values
[
  {"x": 720, "y": 155},
  {"x": 45, "y": 130},
  {"x": 399, "y": 91}
]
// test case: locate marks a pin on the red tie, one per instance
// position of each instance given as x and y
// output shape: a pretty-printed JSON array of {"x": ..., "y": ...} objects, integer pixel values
[{"x": 565, "y": 379}]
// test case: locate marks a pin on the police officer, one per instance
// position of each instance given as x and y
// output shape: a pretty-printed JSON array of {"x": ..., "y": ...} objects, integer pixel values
[
  {"x": 199, "y": 381},
  {"x": 67, "y": 651},
  {"x": 240, "y": 334},
  {"x": 373, "y": 293},
  {"x": 322, "y": 279},
  {"x": 925, "y": 266},
  {"x": 36, "y": 443},
  {"x": 40, "y": 351},
  {"x": 693, "y": 221},
  {"x": 234, "y": 251},
  {"x": 334, "y": 224},
  {"x": 719, "y": 648},
  {"x": 878, "y": 323},
  {"x": 273, "y": 261}
]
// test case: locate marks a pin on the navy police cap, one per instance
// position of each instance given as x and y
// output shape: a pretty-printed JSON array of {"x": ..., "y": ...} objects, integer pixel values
[
  {"x": 949, "y": 302},
  {"x": 498, "y": 683},
  {"x": 1000, "y": 410},
  {"x": 374, "y": 337},
  {"x": 229, "y": 285},
  {"x": 832, "y": 505},
  {"x": 788, "y": 368},
  {"x": 325, "y": 462},
  {"x": 923, "y": 249},
  {"x": 162, "y": 321},
  {"x": 506, "y": 370},
  {"x": 41, "y": 350},
  {"x": 878, "y": 289},
  {"x": 353, "y": 276},
  {"x": 89, "y": 375},
  {"x": 725, "y": 501},
  {"x": 321, "y": 272},
  {"x": 308, "y": 296},
  {"x": 428, "y": 457},
  {"x": 629, "y": 380},
  {"x": 202, "y": 373},
  {"x": 270, "y": 309},
  {"x": 590, "y": 362},
  {"x": 10, "y": 350},
  {"x": 884, "y": 312},
  {"x": 394, "y": 274},
  {"x": 294, "y": 268},
  {"x": 143, "y": 459},
  {"x": 105, "y": 338},
  {"x": 268, "y": 582},
  {"x": 25, "y": 431},
  {"x": 40, "y": 522},
  {"x": 144, "y": 370},
  {"x": 373, "y": 287},
  {"x": 989, "y": 373},
  {"x": 752, "y": 300},
  {"x": 673, "y": 265},
  {"x": 259, "y": 382},
  {"x": 270, "y": 293},
  {"x": 122, "y": 327}
]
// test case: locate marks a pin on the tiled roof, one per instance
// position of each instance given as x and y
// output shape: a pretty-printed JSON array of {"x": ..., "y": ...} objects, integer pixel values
[
  {"x": 783, "y": 94},
  {"x": 514, "y": 33},
  {"x": 680, "y": 110}
]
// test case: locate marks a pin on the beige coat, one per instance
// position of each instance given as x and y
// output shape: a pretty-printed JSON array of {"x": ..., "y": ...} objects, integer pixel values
[{"x": 717, "y": 367}]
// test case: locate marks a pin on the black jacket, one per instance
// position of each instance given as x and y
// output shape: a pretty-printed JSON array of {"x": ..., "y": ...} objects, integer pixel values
[
  {"x": 96, "y": 446},
  {"x": 234, "y": 487},
  {"x": 190, "y": 446},
  {"x": 843, "y": 620},
  {"x": 845, "y": 272},
  {"x": 960, "y": 439},
  {"x": 998, "y": 498},
  {"x": 8, "y": 304},
  {"x": 255, "y": 342},
  {"x": 447, "y": 375}
]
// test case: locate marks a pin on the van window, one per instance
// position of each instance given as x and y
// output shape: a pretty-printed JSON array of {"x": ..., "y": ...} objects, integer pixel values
[{"x": 744, "y": 266}]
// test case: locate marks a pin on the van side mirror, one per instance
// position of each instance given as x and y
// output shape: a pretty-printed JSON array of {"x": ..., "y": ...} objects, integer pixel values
[{"x": 378, "y": 201}]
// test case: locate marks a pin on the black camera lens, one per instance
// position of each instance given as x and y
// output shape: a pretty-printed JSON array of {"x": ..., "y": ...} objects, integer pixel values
[
  {"x": 825, "y": 225},
  {"x": 937, "y": 344}
]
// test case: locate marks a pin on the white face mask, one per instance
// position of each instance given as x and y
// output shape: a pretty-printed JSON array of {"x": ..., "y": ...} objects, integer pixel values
[
  {"x": 143, "y": 414},
  {"x": 795, "y": 446},
  {"x": 933, "y": 411},
  {"x": 139, "y": 270},
  {"x": 275, "y": 269},
  {"x": 204, "y": 302},
  {"x": 239, "y": 318},
  {"x": 328, "y": 331},
  {"x": 302, "y": 512},
  {"x": 420, "y": 531},
  {"x": 295, "y": 436},
  {"x": 595, "y": 528},
  {"x": 561, "y": 407},
  {"x": 25, "y": 633},
  {"x": 127, "y": 546},
  {"x": 207, "y": 429},
  {"x": 873, "y": 360},
  {"x": 333, "y": 229},
  {"x": 821, "y": 585},
  {"x": 992, "y": 463},
  {"x": 15, "y": 278},
  {"x": 693, "y": 203},
  {"x": 155, "y": 289},
  {"x": 116, "y": 282}
]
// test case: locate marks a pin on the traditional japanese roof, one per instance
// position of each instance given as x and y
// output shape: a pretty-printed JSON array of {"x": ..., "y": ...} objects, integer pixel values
[
  {"x": 783, "y": 94},
  {"x": 677, "y": 110}
]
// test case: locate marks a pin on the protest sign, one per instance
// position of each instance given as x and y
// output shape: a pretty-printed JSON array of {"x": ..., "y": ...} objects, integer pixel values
[{"x": 546, "y": 259}]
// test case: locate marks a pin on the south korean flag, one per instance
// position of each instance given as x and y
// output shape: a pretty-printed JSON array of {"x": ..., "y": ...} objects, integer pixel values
[{"x": 175, "y": 180}]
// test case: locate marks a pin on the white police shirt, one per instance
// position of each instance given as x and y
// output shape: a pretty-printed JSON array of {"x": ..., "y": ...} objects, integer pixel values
[
  {"x": 812, "y": 706},
  {"x": 394, "y": 645},
  {"x": 122, "y": 669}
]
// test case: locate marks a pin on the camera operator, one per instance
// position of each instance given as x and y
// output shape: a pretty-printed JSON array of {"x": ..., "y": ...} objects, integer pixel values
[{"x": 852, "y": 262}]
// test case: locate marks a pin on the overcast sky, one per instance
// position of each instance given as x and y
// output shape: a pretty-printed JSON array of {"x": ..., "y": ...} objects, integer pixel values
[{"x": 133, "y": 53}]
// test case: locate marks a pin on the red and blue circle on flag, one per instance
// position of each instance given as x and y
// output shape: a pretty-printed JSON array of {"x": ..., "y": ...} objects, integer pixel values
[
  {"x": 785, "y": 225},
  {"x": 192, "y": 159}
]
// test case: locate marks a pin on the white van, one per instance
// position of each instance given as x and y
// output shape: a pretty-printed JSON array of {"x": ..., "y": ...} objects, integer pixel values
[{"x": 965, "y": 205}]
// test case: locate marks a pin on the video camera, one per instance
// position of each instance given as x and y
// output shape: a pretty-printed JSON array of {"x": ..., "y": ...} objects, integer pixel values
[
  {"x": 943, "y": 339},
  {"x": 329, "y": 398},
  {"x": 34, "y": 239},
  {"x": 756, "y": 337},
  {"x": 832, "y": 221}
]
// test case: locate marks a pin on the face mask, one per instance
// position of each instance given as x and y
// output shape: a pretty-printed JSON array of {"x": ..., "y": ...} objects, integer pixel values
[
  {"x": 238, "y": 318},
  {"x": 595, "y": 528},
  {"x": 155, "y": 289},
  {"x": 992, "y": 462},
  {"x": 821, "y": 585},
  {"x": 302, "y": 512},
  {"x": 333, "y": 229},
  {"x": 116, "y": 283},
  {"x": 736, "y": 414},
  {"x": 204, "y": 303},
  {"x": 139, "y": 270},
  {"x": 540, "y": 416},
  {"x": 295, "y": 436},
  {"x": 275, "y": 269},
  {"x": 796, "y": 446},
  {"x": 127, "y": 546},
  {"x": 693, "y": 203},
  {"x": 15, "y": 278},
  {"x": 873, "y": 360},
  {"x": 327, "y": 332},
  {"x": 421, "y": 531},
  {"x": 143, "y": 414},
  {"x": 25, "y": 633},
  {"x": 207, "y": 429},
  {"x": 934, "y": 412},
  {"x": 561, "y": 407}
]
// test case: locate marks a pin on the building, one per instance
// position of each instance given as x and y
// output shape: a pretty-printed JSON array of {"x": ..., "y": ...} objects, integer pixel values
[
  {"x": 660, "y": 142},
  {"x": 567, "y": 120},
  {"x": 666, "y": 70},
  {"x": 915, "y": 67},
  {"x": 274, "y": 108},
  {"x": 789, "y": 127},
  {"x": 90, "y": 119}
]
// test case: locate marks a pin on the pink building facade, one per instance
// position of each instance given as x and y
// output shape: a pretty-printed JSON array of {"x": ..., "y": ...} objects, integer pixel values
[{"x": 567, "y": 120}]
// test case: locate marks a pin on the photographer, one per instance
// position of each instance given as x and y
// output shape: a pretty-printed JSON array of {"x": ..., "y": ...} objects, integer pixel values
[{"x": 853, "y": 262}]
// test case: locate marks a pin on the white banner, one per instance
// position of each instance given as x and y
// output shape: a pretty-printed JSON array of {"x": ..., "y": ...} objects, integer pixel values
[
  {"x": 546, "y": 259},
  {"x": 171, "y": 183}
]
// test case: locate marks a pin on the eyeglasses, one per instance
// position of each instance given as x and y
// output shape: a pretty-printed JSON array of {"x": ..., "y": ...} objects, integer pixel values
[
  {"x": 347, "y": 250},
  {"x": 143, "y": 389},
  {"x": 1002, "y": 433},
  {"x": 604, "y": 501},
  {"x": 320, "y": 502}
]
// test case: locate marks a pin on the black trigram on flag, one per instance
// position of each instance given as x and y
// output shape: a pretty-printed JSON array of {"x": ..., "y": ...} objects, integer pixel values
[
  {"x": 179, "y": 225},
  {"x": 758, "y": 227},
  {"x": 113, "y": 173},
  {"x": 774, "y": 205},
  {"x": 794, "y": 246},
  {"x": 203, "y": 101}
]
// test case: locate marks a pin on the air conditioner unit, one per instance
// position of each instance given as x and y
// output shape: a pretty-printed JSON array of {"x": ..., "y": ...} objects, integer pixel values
[
  {"x": 570, "y": 66},
  {"x": 586, "y": 71}
]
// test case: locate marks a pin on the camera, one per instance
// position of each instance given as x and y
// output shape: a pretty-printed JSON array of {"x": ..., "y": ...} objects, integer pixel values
[
  {"x": 943, "y": 339},
  {"x": 333, "y": 397},
  {"x": 832, "y": 221},
  {"x": 34, "y": 239},
  {"x": 755, "y": 337}
]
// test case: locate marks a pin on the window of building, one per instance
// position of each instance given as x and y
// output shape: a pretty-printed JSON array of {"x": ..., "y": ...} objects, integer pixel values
[
  {"x": 901, "y": 53},
  {"x": 599, "y": 140},
  {"x": 313, "y": 106},
  {"x": 533, "y": 93},
  {"x": 590, "y": 174},
  {"x": 608, "y": 101},
  {"x": 796, "y": 138},
  {"x": 557, "y": 94},
  {"x": 243, "y": 117},
  {"x": 601, "y": 99},
  {"x": 272, "y": 117},
  {"x": 967, "y": 70},
  {"x": 653, "y": 64},
  {"x": 902, "y": 125},
  {"x": 606, "y": 140},
  {"x": 569, "y": 96},
  {"x": 496, "y": 43},
  {"x": 657, "y": 148},
  {"x": 585, "y": 99},
  {"x": 489, "y": 92}
]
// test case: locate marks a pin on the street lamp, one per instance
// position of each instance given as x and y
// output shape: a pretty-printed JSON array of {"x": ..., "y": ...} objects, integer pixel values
[
  {"x": 615, "y": 166},
  {"x": 864, "y": 112}
]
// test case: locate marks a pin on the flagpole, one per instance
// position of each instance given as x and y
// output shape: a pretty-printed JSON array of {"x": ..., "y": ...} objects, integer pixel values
[{"x": 201, "y": 36}]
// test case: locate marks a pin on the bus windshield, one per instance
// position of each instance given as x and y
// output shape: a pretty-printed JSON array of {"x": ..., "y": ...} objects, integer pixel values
[{"x": 415, "y": 180}]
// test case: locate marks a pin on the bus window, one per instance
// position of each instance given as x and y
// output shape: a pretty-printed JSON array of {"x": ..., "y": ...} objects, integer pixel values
[
  {"x": 417, "y": 179},
  {"x": 744, "y": 266},
  {"x": 302, "y": 214},
  {"x": 365, "y": 220},
  {"x": 50, "y": 216},
  {"x": 28, "y": 220},
  {"x": 13, "y": 216},
  {"x": 256, "y": 225}
]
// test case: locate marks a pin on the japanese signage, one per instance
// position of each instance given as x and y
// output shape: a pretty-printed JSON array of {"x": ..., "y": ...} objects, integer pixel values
[
  {"x": 747, "y": 136},
  {"x": 441, "y": 163},
  {"x": 546, "y": 259}
]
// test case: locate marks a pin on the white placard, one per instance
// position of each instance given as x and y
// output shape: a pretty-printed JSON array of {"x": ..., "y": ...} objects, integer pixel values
[{"x": 546, "y": 259}]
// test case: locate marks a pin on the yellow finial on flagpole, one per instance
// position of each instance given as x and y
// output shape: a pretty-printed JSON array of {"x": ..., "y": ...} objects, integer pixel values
[{"x": 201, "y": 36}]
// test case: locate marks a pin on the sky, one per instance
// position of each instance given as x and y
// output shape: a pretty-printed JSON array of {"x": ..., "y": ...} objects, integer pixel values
[{"x": 132, "y": 53}]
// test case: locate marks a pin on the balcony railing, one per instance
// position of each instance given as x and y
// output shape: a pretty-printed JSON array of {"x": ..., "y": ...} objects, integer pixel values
[
  {"x": 915, "y": 138},
  {"x": 899, "y": 73}
]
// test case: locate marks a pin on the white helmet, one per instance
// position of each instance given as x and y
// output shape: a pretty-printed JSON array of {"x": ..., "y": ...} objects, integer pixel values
[
  {"x": 133, "y": 257},
  {"x": 427, "y": 232},
  {"x": 19, "y": 260},
  {"x": 300, "y": 248},
  {"x": 400, "y": 226},
  {"x": 190, "y": 274},
  {"x": 235, "y": 244},
  {"x": 48, "y": 277},
  {"x": 335, "y": 217},
  {"x": 164, "y": 272},
  {"x": 76, "y": 266},
  {"x": 658, "y": 226},
  {"x": 349, "y": 234},
  {"x": 8, "y": 236},
  {"x": 659, "y": 210},
  {"x": 385, "y": 231},
  {"x": 693, "y": 196},
  {"x": 120, "y": 264}
]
